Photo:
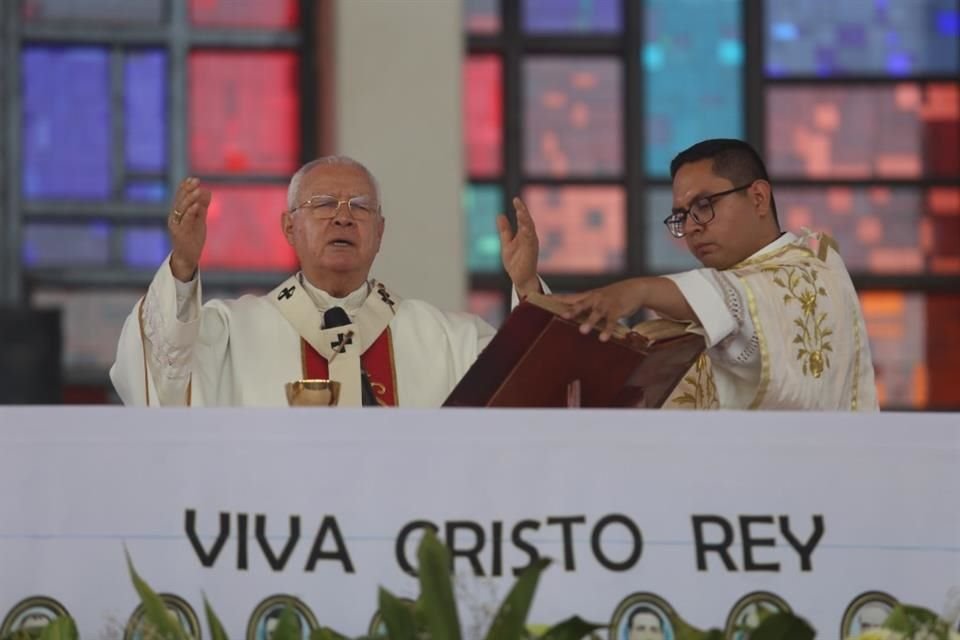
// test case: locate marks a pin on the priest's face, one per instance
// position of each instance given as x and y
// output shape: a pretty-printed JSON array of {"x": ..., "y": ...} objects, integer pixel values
[
  {"x": 341, "y": 247},
  {"x": 741, "y": 223}
]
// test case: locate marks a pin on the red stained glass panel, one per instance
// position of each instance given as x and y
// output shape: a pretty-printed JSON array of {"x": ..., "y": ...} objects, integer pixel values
[
  {"x": 257, "y": 14},
  {"x": 243, "y": 229},
  {"x": 244, "y": 112},
  {"x": 483, "y": 115}
]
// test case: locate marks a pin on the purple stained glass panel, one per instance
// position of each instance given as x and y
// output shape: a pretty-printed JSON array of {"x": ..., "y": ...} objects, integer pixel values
[
  {"x": 66, "y": 122},
  {"x": 572, "y": 16},
  {"x": 146, "y": 191},
  {"x": 145, "y": 110},
  {"x": 145, "y": 247},
  {"x": 66, "y": 245},
  {"x": 891, "y": 37}
]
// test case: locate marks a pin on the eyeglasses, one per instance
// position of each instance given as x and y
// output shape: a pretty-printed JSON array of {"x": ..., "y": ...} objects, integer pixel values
[
  {"x": 701, "y": 211},
  {"x": 325, "y": 207}
]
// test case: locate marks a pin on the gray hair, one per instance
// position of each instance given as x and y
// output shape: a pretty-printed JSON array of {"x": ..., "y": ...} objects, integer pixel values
[{"x": 340, "y": 161}]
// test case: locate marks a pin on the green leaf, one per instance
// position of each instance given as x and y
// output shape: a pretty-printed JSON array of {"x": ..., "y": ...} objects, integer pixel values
[
  {"x": 513, "y": 611},
  {"x": 782, "y": 626},
  {"x": 438, "y": 604},
  {"x": 287, "y": 628},
  {"x": 908, "y": 619},
  {"x": 154, "y": 611},
  {"x": 60, "y": 628},
  {"x": 398, "y": 616},
  {"x": 216, "y": 627},
  {"x": 777, "y": 281},
  {"x": 685, "y": 631},
  {"x": 326, "y": 633},
  {"x": 787, "y": 298},
  {"x": 574, "y": 628}
]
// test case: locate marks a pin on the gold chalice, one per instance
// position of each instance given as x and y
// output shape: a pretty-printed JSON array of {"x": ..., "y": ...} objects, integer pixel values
[{"x": 313, "y": 393}]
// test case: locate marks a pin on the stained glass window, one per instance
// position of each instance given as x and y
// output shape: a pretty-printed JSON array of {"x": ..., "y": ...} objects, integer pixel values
[
  {"x": 244, "y": 112},
  {"x": 243, "y": 229},
  {"x": 489, "y": 305},
  {"x": 881, "y": 229},
  {"x": 481, "y": 16},
  {"x": 572, "y": 116},
  {"x": 581, "y": 229},
  {"x": 146, "y": 191},
  {"x": 483, "y": 115},
  {"x": 902, "y": 130},
  {"x": 277, "y": 14},
  {"x": 886, "y": 37},
  {"x": 571, "y": 16},
  {"x": 481, "y": 204},
  {"x": 145, "y": 111},
  {"x": 693, "y": 55},
  {"x": 94, "y": 10},
  {"x": 66, "y": 122},
  {"x": 64, "y": 245},
  {"x": 145, "y": 247},
  {"x": 915, "y": 344}
]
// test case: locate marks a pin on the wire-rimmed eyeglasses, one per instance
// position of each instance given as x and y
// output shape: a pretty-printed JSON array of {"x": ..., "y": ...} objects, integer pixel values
[
  {"x": 325, "y": 207},
  {"x": 701, "y": 211}
]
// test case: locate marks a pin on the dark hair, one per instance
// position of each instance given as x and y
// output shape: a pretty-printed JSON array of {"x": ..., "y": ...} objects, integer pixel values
[
  {"x": 733, "y": 159},
  {"x": 640, "y": 610}
]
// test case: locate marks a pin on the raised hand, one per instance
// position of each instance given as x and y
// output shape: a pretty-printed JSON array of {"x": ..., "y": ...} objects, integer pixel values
[
  {"x": 188, "y": 228},
  {"x": 519, "y": 251}
]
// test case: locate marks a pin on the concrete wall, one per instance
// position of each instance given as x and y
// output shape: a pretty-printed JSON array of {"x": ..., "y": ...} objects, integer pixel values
[{"x": 397, "y": 110}]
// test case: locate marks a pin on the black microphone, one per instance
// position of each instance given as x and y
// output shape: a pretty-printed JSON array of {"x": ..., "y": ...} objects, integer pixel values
[{"x": 336, "y": 317}]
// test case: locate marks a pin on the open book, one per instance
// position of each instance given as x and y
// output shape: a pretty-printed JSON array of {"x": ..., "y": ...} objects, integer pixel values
[{"x": 540, "y": 359}]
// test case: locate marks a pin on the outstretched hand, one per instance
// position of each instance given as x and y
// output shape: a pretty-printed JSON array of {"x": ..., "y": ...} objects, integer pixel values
[
  {"x": 187, "y": 223},
  {"x": 519, "y": 251},
  {"x": 603, "y": 308}
]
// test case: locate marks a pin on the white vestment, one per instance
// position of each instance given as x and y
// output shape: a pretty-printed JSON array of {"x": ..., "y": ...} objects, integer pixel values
[
  {"x": 784, "y": 330},
  {"x": 173, "y": 352}
]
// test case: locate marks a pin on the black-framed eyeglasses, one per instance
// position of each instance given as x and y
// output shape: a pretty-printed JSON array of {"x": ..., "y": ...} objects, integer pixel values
[
  {"x": 701, "y": 211},
  {"x": 325, "y": 207}
]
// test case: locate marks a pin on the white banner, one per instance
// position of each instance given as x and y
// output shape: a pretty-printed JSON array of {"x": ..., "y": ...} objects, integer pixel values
[{"x": 712, "y": 515}]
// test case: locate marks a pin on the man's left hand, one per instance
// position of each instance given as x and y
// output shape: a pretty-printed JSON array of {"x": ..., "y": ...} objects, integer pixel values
[{"x": 520, "y": 250}]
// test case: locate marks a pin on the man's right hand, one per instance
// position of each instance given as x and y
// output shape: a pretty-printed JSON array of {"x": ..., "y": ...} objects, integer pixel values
[{"x": 188, "y": 228}]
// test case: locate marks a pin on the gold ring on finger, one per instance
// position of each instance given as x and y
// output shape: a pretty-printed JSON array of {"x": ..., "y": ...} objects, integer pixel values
[{"x": 177, "y": 216}]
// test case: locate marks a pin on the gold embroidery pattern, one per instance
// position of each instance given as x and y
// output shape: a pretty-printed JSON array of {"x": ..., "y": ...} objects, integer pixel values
[
  {"x": 800, "y": 282},
  {"x": 703, "y": 388}
]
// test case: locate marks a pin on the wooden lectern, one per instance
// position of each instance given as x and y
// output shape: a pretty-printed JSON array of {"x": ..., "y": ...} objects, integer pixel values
[{"x": 540, "y": 359}]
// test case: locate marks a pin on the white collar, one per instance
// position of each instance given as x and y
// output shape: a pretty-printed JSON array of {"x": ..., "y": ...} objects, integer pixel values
[
  {"x": 783, "y": 240},
  {"x": 351, "y": 303}
]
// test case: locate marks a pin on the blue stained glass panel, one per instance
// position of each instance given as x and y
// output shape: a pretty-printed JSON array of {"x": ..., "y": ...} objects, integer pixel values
[
  {"x": 692, "y": 56},
  {"x": 572, "y": 16},
  {"x": 146, "y": 191},
  {"x": 145, "y": 247},
  {"x": 481, "y": 204},
  {"x": 145, "y": 112},
  {"x": 66, "y": 122},
  {"x": 889, "y": 37},
  {"x": 63, "y": 245}
]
